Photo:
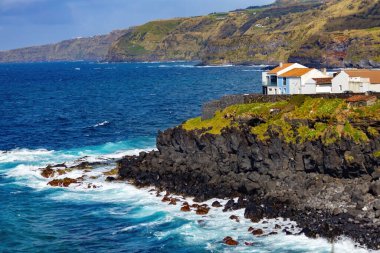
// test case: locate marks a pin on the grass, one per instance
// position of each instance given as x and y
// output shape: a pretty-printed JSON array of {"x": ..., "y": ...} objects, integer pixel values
[{"x": 298, "y": 120}]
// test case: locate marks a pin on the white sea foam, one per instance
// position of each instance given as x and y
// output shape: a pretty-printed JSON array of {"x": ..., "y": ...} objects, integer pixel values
[
  {"x": 19, "y": 155},
  {"x": 207, "y": 230},
  {"x": 103, "y": 123}
]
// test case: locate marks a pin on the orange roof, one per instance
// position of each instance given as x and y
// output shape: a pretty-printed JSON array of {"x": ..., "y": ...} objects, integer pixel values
[
  {"x": 360, "y": 98},
  {"x": 373, "y": 75},
  {"x": 279, "y": 68},
  {"x": 298, "y": 72},
  {"x": 323, "y": 80}
]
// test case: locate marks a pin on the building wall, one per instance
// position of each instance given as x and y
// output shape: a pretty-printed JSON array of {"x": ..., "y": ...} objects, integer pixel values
[
  {"x": 323, "y": 89},
  {"x": 340, "y": 83},
  {"x": 374, "y": 87}
]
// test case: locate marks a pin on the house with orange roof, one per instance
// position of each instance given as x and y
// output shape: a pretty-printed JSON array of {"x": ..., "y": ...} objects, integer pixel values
[
  {"x": 356, "y": 81},
  {"x": 291, "y": 79},
  {"x": 271, "y": 80}
]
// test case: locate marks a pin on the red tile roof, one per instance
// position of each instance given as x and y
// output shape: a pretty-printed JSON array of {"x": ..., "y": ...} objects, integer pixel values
[
  {"x": 361, "y": 98},
  {"x": 324, "y": 80},
  {"x": 373, "y": 75}
]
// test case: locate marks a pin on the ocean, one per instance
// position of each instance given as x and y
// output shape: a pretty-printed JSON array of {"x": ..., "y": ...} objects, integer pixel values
[{"x": 71, "y": 112}]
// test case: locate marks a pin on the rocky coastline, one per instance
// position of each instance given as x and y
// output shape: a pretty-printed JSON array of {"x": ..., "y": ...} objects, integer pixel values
[{"x": 328, "y": 190}]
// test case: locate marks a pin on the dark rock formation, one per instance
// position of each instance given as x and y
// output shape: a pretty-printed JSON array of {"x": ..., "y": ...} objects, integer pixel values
[
  {"x": 66, "y": 182},
  {"x": 229, "y": 241},
  {"x": 308, "y": 182}
]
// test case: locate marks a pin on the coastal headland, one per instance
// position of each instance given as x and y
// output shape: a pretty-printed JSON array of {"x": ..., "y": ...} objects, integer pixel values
[{"x": 315, "y": 160}]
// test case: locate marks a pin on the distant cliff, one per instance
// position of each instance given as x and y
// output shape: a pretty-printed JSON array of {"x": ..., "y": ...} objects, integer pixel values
[
  {"x": 332, "y": 33},
  {"x": 87, "y": 49},
  {"x": 329, "y": 33}
]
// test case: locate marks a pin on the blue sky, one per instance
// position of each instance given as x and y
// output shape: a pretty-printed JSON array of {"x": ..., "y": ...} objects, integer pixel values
[{"x": 34, "y": 22}]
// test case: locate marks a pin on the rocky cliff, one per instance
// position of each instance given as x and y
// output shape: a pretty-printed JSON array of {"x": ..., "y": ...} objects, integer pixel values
[
  {"x": 331, "y": 33},
  {"x": 334, "y": 33},
  {"x": 329, "y": 185},
  {"x": 82, "y": 49}
]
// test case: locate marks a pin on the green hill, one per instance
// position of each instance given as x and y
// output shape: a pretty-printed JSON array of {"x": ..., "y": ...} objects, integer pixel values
[
  {"x": 330, "y": 33},
  {"x": 333, "y": 33}
]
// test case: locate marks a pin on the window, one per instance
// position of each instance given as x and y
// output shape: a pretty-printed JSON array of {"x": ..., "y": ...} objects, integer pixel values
[
  {"x": 340, "y": 87},
  {"x": 284, "y": 90}
]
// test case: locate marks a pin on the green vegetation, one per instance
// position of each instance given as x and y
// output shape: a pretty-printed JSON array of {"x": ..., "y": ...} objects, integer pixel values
[
  {"x": 319, "y": 31},
  {"x": 299, "y": 119},
  {"x": 377, "y": 154}
]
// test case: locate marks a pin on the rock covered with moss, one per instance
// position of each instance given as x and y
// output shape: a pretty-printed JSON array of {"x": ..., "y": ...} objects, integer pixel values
[{"x": 282, "y": 157}]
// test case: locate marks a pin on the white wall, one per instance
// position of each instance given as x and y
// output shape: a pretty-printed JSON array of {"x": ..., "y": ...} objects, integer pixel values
[
  {"x": 294, "y": 85},
  {"x": 323, "y": 89},
  {"x": 374, "y": 87},
  {"x": 308, "y": 85},
  {"x": 264, "y": 78},
  {"x": 340, "y": 83}
]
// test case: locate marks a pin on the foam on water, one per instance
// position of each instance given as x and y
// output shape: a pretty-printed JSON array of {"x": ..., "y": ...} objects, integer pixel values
[{"x": 150, "y": 213}]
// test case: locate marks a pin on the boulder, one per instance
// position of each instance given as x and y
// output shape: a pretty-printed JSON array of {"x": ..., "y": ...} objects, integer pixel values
[
  {"x": 201, "y": 210},
  {"x": 234, "y": 217},
  {"x": 48, "y": 172},
  {"x": 375, "y": 188},
  {"x": 257, "y": 232},
  {"x": 216, "y": 204},
  {"x": 229, "y": 241},
  {"x": 66, "y": 182},
  {"x": 185, "y": 208}
]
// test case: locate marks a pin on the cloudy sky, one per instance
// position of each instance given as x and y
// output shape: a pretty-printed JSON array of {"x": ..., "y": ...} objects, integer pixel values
[{"x": 34, "y": 22}]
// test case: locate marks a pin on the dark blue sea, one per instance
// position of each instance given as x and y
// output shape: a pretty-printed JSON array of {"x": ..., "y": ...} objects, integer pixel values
[{"x": 60, "y": 112}]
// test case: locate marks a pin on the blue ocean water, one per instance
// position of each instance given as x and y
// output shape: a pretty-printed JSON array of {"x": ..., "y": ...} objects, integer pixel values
[{"x": 60, "y": 112}]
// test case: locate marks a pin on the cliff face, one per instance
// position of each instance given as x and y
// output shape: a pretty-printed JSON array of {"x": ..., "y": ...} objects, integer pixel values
[
  {"x": 332, "y": 33},
  {"x": 82, "y": 49},
  {"x": 329, "y": 187},
  {"x": 324, "y": 33}
]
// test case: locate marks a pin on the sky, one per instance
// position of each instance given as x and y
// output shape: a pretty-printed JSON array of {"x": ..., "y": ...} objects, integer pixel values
[{"x": 36, "y": 22}]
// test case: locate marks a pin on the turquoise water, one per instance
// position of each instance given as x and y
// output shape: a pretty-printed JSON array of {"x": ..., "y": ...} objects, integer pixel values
[{"x": 61, "y": 112}]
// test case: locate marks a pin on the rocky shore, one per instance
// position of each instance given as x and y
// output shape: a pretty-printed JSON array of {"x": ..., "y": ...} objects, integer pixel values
[{"x": 329, "y": 190}]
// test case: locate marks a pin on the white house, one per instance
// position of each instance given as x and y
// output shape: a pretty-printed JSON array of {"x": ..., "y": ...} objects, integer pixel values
[
  {"x": 270, "y": 79},
  {"x": 292, "y": 78},
  {"x": 357, "y": 81},
  {"x": 322, "y": 85}
]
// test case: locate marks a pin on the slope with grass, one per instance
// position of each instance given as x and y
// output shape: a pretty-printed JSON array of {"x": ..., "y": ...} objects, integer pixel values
[{"x": 329, "y": 33}]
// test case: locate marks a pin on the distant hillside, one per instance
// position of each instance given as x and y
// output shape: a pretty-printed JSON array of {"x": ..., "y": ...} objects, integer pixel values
[
  {"x": 88, "y": 49},
  {"x": 329, "y": 33},
  {"x": 332, "y": 33}
]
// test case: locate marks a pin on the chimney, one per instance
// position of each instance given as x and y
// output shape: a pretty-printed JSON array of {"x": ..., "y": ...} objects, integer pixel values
[
  {"x": 324, "y": 71},
  {"x": 281, "y": 64}
]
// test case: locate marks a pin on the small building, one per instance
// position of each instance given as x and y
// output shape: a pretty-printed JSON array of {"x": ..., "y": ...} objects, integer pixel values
[
  {"x": 356, "y": 81},
  {"x": 292, "y": 78},
  {"x": 361, "y": 100},
  {"x": 323, "y": 85},
  {"x": 270, "y": 79}
]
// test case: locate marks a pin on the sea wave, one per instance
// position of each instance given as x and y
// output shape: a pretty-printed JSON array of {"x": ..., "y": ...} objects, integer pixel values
[
  {"x": 164, "y": 221},
  {"x": 103, "y": 123}
]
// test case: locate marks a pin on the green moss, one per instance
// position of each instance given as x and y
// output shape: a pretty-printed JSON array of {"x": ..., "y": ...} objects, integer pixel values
[
  {"x": 261, "y": 131},
  {"x": 212, "y": 126},
  {"x": 376, "y": 154},
  {"x": 373, "y": 132},
  {"x": 355, "y": 134},
  {"x": 298, "y": 120}
]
